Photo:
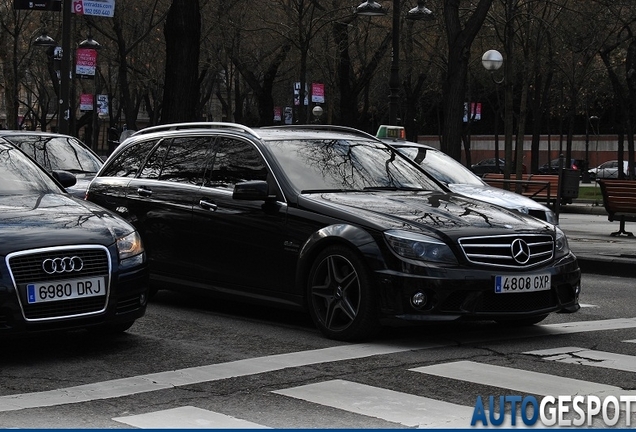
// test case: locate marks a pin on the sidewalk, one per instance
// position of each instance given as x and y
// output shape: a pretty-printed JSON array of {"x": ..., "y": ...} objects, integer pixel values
[{"x": 588, "y": 231}]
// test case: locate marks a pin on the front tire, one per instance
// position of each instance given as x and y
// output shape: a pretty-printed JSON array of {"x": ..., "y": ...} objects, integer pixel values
[{"x": 341, "y": 296}]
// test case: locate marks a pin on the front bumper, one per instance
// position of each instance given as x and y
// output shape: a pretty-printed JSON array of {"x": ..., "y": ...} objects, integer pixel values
[{"x": 469, "y": 294}]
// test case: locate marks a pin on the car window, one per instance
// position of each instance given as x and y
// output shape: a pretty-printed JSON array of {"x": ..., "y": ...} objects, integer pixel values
[
  {"x": 19, "y": 175},
  {"x": 58, "y": 153},
  {"x": 346, "y": 164},
  {"x": 185, "y": 160},
  {"x": 441, "y": 166},
  {"x": 235, "y": 161},
  {"x": 128, "y": 162}
]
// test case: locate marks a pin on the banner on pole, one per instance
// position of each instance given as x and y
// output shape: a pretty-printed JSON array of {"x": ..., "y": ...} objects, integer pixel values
[
  {"x": 85, "y": 62},
  {"x": 86, "y": 102},
  {"x": 103, "y": 8},
  {"x": 318, "y": 92}
]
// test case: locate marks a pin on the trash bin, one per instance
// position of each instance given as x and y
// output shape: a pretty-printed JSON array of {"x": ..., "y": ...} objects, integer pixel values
[{"x": 570, "y": 184}]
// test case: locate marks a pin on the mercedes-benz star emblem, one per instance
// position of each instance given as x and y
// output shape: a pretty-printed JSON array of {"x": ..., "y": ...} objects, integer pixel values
[
  {"x": 520, "y": 251},
  {"x": 62, "y": 265}
]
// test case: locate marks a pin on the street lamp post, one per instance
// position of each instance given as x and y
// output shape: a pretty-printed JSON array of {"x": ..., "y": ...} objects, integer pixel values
[
  {"x": 372, "y": 8},
  {"x": 64, "y": 115}
]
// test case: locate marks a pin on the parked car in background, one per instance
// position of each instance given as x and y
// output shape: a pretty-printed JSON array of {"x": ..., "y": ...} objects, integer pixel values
[
  {"x": 552, "y": 167},
  {"x": 331, "y": 220},
  {"x": 64, "y": 263},
  {"x": 609, "y": 170},
  {"x": 489, "y": 165},
  {"x": 57, "y": 152},
  {"x": 461, "y": 180}
]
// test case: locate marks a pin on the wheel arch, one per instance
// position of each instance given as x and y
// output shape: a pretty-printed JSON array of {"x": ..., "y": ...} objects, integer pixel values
[{"x": 357, "y": 239}]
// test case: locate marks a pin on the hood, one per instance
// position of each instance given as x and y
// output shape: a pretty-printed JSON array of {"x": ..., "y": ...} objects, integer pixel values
[
  {"x": 35, "y": 221},
  {"x": 497, "y": 196},
  {"x": 445, "y": 214}
]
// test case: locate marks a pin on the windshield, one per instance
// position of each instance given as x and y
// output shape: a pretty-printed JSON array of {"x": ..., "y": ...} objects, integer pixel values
[
  {"x": 19, "y": 175},
  {"x": 58, "y": 153},
  {"x": 314, "y": 165},
  {"x": 441, "y": 166}
]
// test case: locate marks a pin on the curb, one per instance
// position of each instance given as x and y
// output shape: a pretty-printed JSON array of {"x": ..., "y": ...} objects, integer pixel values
[{"x": 608, "y": 266}]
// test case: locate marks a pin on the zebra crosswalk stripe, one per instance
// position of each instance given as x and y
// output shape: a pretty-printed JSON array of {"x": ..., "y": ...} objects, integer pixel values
[
  {"x": 186, "y": 417},
  {"x": 396, "y": 407},
  {"x": 513, "y": 379}
]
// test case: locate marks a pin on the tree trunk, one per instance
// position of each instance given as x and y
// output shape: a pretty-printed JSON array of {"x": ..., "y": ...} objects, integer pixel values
[
  {"x": 454, "y": 87},
  {"x": 183, "y": 34}
]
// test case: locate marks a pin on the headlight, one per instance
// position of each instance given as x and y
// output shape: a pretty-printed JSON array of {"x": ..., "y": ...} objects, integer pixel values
[
  {"x": 419, "y": 247},
  {"x": 561, "y": 247},
  {"x": 129, "y": 246}
]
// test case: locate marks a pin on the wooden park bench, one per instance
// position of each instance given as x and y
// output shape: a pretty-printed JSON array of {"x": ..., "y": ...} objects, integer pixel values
[
  {"x": 540, "y": 187},
  {"x": 619, "y": 199}
]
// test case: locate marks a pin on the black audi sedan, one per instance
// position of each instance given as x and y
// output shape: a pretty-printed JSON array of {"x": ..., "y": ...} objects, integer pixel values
[
  {"x": 65, "y": 263},
  {"x": 333, "y": 221},
  {"x": 57, "y": 152}
]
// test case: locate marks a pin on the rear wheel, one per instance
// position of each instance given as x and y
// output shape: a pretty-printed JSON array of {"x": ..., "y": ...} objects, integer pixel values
[{"x": 341, "y": 297}]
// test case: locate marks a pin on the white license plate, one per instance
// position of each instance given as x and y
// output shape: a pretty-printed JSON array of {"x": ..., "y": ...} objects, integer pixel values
[
  {"x": 65, "y": 290},
  {"x": 522, "y": 283}
]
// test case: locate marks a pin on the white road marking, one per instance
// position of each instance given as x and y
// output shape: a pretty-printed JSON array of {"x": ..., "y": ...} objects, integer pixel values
[
  {"x": 585, "y": 305},
  {"x": 513, "y": 379},
  {"x": 186, "y": 417},
  {"x": 587, "y": 357},
  {"x": 630, "y": 341},
  {"x": 396, "y": 407},
  {"x": 176, "y": 378}
]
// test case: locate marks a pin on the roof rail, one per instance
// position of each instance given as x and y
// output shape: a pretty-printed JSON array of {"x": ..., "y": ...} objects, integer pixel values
[
  {"x": 334, "y": 128},
  {"x": 197, "y": 125}
]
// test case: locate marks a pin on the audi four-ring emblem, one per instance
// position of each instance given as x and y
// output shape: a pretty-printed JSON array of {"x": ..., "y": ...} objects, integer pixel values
[
  {"x": 62, "y": 265},
  {"x": 520, "y": 251}
]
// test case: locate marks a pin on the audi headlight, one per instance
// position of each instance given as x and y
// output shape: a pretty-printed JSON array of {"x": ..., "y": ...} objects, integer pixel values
[
  {"x": 419, "y": 247},
  {"x": 129, "y": 246},
  {"x": 561, "y": 247}
]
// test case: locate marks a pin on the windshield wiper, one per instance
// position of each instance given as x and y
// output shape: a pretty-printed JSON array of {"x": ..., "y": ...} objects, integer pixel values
[
  {"x": 311, "y": 191},
  {"x": 392, "y": 188}
]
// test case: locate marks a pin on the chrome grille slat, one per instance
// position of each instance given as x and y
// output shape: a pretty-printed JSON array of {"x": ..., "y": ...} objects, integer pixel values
[{"x": 496, "y": 251}]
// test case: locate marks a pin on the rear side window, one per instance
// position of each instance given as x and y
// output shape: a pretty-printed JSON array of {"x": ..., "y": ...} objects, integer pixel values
[
  {"x": 186, "y": 159},
  {"x": 235, "y": 161},
  {"x": 129, "y": 161}
]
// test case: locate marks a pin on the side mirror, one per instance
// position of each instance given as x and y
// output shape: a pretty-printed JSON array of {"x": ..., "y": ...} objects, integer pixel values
[
  {"x": 65, "y": 178},
  {"x": 254, "y": 190}
]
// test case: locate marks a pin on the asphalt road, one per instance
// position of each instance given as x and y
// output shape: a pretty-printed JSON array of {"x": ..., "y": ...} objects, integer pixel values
[{"x": 197, "y": 362}]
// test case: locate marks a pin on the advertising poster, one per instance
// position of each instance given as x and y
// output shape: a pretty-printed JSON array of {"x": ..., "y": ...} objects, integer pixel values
[{"x": 85, "y": 62}]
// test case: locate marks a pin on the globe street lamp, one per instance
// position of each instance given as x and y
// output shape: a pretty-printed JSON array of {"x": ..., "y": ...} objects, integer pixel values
[{"x": 420, "y": 13}]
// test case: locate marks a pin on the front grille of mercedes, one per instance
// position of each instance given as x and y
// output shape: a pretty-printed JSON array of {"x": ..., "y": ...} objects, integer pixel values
[
  {"x": 497, "y": 251},
  {"x": 26, "y": 267}
]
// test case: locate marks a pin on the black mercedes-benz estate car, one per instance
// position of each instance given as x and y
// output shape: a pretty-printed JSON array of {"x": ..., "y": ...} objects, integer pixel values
[
  {"x": 64, "y": 263},
  {"x": 333, "y": 220}
]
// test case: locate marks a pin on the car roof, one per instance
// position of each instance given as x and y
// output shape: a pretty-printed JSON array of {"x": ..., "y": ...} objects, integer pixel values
[{"x": 33, "y": 133}]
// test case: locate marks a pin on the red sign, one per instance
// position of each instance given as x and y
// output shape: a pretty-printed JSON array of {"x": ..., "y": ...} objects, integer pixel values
[
  {"x": 85, "y": 62},
  {"x": 318, "y": 92},
  {"x": 86, "y": 102}
]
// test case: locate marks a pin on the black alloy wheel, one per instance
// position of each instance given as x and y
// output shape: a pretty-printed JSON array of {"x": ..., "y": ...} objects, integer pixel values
[{"x": 340, "y": 295}]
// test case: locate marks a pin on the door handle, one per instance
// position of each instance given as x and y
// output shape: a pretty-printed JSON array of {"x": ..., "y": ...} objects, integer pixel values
[
  {"x": 144, "y": 191},
  {"x": 208, "y": 205}
]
